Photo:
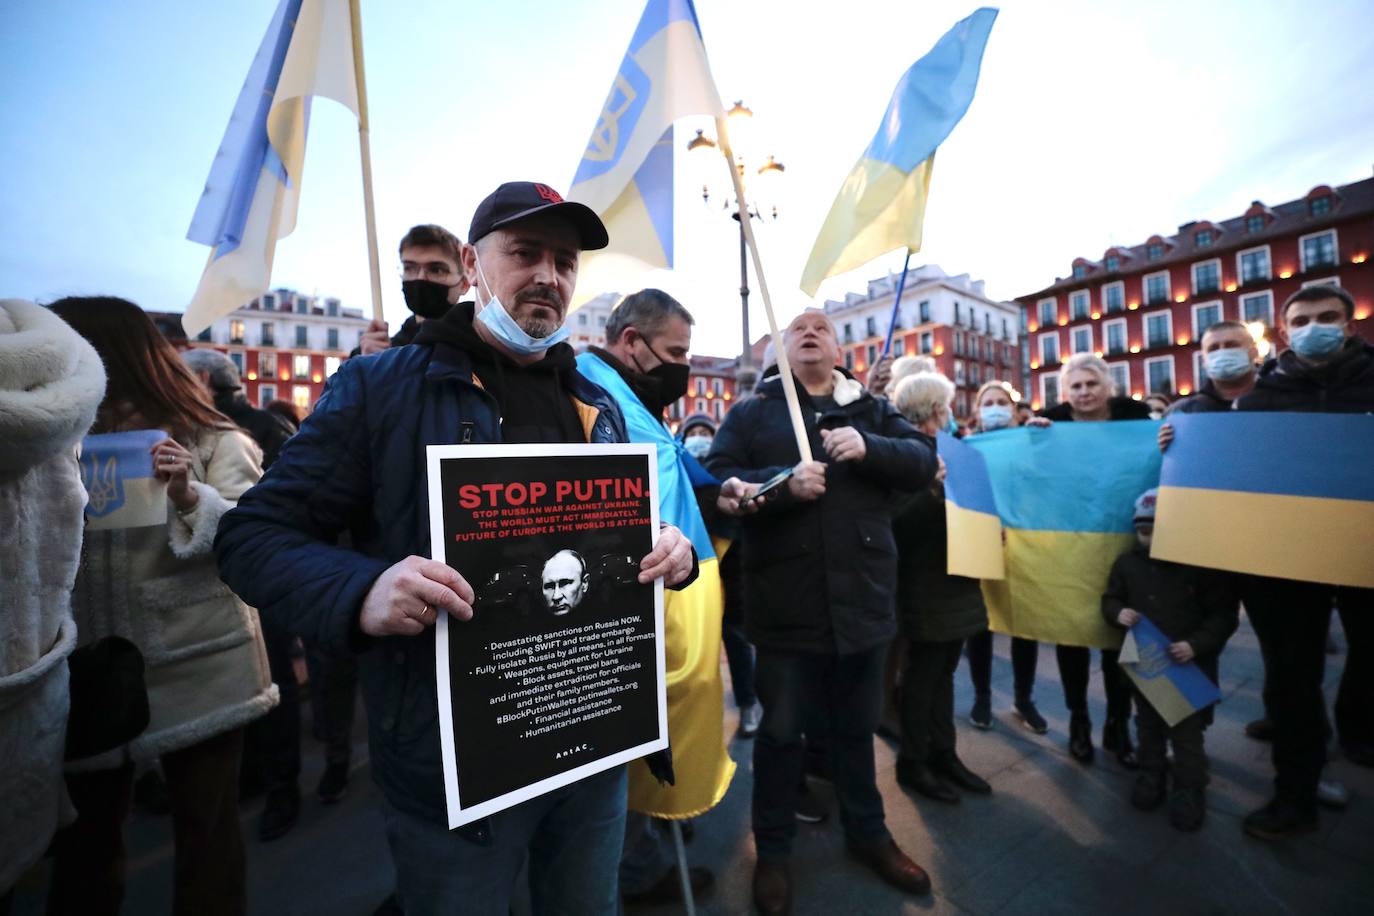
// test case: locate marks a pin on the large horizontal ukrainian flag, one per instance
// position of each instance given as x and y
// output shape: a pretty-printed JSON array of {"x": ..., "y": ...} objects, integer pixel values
[
  {"x": 1067, "y": 498},
  {"x": 691, "y": 631},
  {"x": 972, "y": 523},
  {"x": 1288, "y": 495},
  {"x": 882, "y": 203}
]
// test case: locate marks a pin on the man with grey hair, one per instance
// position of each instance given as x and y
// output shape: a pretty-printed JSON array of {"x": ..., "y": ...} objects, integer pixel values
[{"x": 219, "y": 374}]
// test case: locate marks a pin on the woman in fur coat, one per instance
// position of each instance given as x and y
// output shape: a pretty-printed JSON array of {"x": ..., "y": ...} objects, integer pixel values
[
  {"x": 206, "y": 667},
  {"x": 51, "y": 382}
]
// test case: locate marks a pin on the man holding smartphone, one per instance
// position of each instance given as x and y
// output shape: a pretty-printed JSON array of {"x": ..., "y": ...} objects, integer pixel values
[{"x": 819, "y": 568}]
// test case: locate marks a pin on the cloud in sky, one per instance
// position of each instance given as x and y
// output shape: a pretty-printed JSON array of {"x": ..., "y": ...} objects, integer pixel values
[{"x": 1095, "y": 123}]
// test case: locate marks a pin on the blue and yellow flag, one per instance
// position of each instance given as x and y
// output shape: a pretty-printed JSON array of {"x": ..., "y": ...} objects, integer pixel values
[
  {"x": 121, "y": 490},
  {"x": 691, "y": 631},
  {"x": 1235, "y": 494},
  {"x": 882, "y": 204},
  {"x": 250, "y": 198},
  {"x": 972, "y": 523},
  {"x": 1176, "y": 691},
  {"x": 1067, "y": 498},
  {"x": 626, "y": 172}
]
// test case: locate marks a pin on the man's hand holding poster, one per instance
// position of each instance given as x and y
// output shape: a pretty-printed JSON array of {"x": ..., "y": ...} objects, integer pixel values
[{"x": 559, "y": 674}]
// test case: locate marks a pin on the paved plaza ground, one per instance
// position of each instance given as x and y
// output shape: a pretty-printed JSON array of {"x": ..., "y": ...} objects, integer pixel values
[{"x": 1054, "y": 837}]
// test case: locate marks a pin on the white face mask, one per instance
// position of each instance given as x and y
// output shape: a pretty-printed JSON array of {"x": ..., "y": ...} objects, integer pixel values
[
  {"x": 995, "y": 416},
  {"x": 505, "y": 329}
]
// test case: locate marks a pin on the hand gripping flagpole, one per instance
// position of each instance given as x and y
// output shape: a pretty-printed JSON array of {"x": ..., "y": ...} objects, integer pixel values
[
  {"x": 365, "y": 148},
  {"x": 789, "y": 385}
]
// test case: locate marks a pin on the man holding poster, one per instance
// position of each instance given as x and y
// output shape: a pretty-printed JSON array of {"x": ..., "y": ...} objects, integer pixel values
[{"x": 358, "y": 464}]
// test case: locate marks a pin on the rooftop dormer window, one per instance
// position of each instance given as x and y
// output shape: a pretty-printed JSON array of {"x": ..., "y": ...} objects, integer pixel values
[
  {"x": 1154, "y": 251},
  {"x": 1113, "y": 263},
  {"x": 1203, "y": 238},
  {"x": 1079, "y": 271},
  {"x": 1319, "y": 206}
]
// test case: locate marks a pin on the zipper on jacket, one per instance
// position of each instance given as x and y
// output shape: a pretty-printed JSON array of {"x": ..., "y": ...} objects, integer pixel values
[{"x": 465, "y": 434}]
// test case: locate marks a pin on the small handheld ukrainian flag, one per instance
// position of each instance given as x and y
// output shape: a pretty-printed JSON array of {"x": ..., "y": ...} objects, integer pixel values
[
  {"x": 626, "y": 172},
  {"x": 882, "y": 204},
  {"x": 1175, "y": 690},
  {"x": 121, "y": 488}
]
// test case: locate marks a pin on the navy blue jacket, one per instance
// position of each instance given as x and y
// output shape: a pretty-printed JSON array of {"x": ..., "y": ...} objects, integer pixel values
[
  {"x": 358, "y": 466},
  {"x": 820, "y": 575}
]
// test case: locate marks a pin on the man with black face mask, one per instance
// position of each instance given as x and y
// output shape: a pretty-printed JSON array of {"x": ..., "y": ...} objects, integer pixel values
[{"x": 432, "y": 280}]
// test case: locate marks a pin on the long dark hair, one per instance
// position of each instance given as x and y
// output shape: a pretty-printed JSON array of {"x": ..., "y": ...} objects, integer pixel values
[{"x": 144, "y": 370}]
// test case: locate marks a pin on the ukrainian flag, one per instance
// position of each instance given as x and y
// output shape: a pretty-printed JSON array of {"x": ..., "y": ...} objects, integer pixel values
[
  {"x": 882, "y": 204},
  {"x": 691, "y": 631},
  {"x": 1236, "y": 493},
  {"x": 972, "y": 523},
  {"x": 1067, "y": 497},
  {"x": 121, "y": 489},
  {"x": 1175, "y": 691},
  {"x": 250, "y": 198},
  {"x": 626, "y": 172}
]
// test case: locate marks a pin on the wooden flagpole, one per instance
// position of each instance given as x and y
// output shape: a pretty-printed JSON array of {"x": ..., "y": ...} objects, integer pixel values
[{"x": 365, "y": 148}]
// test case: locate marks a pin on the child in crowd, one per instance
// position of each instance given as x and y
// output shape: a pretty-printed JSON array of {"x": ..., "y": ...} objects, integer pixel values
[{"x": 1197, "y": 611}]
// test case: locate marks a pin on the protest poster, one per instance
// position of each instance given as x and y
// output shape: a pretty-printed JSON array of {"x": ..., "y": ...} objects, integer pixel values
[
  {"x": 560, "y": 673},
  {"x": 1175, "y": 689},
  {"x": 121, "y": 489}
]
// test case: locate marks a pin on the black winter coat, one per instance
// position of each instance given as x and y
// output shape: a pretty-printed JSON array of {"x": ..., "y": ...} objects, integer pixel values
[
  {"x": 268, "y": 430},
  {"x": 1188, "y": 603},
  {"x": 932, "y": 605},
  {"x": 1121, "y": 409},
  {"x": 820, "y": 575},
  {"x": 1345, "y": 385},
  {"x": 1207, "y": 400}
]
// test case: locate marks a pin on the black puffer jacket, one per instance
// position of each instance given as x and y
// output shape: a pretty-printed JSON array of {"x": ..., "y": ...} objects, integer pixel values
[
  {"x": 1344, "y": 385},
  {"x": 1206, "y": 400},
  {"x": 268, "y": 430},
  {"x": 1188, "y": 603},
  {"x": 932, "y": 605},
  {"x": 1121, "y": 409},
  {"x": 820, "y": 575}
]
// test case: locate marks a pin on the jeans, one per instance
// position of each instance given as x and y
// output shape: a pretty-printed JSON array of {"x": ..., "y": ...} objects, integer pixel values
[
  {"x": 1025, "y": 653},
  {"x": 648, "y": 855},
  {"x": 571, "y": 838},
  {"x": 1291, "y": 620},
  {"x": 1075, "y": 665},
  {"x": 928, "y": 702},
  {"x": 848, "y": 689}
]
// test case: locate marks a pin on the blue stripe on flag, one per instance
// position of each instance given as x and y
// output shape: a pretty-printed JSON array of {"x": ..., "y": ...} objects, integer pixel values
[
  {"x": 660, "y": 14},
  {"x": 654, "y": 179},
  {"x": 245, "y": 150},
  {"x": 966, "y": 480},
  {"x": 1196, "y": 689}
]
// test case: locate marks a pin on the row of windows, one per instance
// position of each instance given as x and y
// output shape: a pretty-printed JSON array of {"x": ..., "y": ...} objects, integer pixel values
[
  {"x": 267, "y": 365},
  {"x": 1158, "y": 376},
  {"x": 267, "y": 335},
  {"x": 961, "y": 318},
  {"x": 1204, "y": 238},
  {"x": 299, "y": 304},
  {"x": 300, "y": 395},
  {"x": 1254, "y": 265}
]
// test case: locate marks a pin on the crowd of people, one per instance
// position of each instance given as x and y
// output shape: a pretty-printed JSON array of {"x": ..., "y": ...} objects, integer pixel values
[{"x": 175, "y": 645}]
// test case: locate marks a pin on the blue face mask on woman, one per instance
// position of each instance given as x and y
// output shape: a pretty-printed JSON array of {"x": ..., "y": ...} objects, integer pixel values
[
  {"x": 504, "y": 328},
  {"x": 1317, "y": 341},
  {"x": 1228, "y": 364},
  {"x": 994, "y": 416}
]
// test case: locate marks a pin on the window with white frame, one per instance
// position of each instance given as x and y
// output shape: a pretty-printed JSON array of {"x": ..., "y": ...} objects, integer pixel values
[
  {"x": 924, "y": 310},
  {"x": 1049, "y": 389},
  {"x": 267, "y": 364},
  {"x": 331, "y": 365},
  {"x": 1049, "y": 349},
  {"x": 266, "y": 394},
  {"x": 1114, "y": 297},
  {"x": 1207, "y": 276},
  {"x": 1159, "y": 329},
  {"x": 1318, "y": 250},
  {"x": 269, "y": 334},
  {"x": 1121, "y": 379},
  {"x": 301, "y": 335},
  {"x": 959, "y": 378},
  {"x": 1253, "y": 265},
  {"x": 898, "y": 345},
  {"x": 1078, "y": 304},
  {"x": 975, "y": 375},
  {"x": 872, "y": 354},
  {"x": 1258, "y": 307},
  {"x": 1112, "y": 263},
  {"x": 927, "y": 342},
  {"x": 849, "y": 360},
  {"x": 300, "y": 396},
  {"x": 1047, "y": 311},
  {"x": 236, "y": 331},
  {"x": 1114, "y": 335},
  {"x": 1154, "y": 251},
  {"x": 1254, "y": 224},
  {"x": 1199, "y": 369},
  {"x": 871, "y": 326},
  {"x": 300, "y": 365},
  {"x": 1081, "y": 340},
  {"x": 1323, "y": 281},
  {"x": 236, "y": 357},
  {"x": 1205, "y": 314},
  {"x": 1157, "y": 288},
  {"x": 1159, "y": 375},
  {"x": 718, "y": 386},
  {"x": 700, "y": 385},
  {"x": 1319, "y": 206},
  {"x": 331, "y": 338}
]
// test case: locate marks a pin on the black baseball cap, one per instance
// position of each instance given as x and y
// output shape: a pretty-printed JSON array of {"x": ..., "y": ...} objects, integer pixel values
[{"x": 516, "y": 200}]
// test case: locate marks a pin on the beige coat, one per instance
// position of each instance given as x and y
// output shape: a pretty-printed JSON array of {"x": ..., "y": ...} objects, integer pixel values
[{"x": 206, "y": 666}]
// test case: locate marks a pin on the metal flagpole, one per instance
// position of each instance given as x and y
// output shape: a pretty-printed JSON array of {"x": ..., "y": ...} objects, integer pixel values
[
  {"x": 365, "y": 148},
  {"x": 892, "y": 322}
]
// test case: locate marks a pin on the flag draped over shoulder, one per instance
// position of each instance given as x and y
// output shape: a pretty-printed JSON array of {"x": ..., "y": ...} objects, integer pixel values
[
  {"x": 882, "y": 204},
  {"x": 691, "y": 631},
  {"x": 251, "y": 195},
  {"x": 1067, "y": 498},
  {"x": 626, "y": 172},
  {"x": 973, "y": 525},
  {"x": 1225, "y": 493}
]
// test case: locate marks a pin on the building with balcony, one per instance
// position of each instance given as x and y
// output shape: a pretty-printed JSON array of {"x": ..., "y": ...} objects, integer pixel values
[
  {"x": 286, "y": 344},
  {"x": 1143, "y": 308},
  {"x": 588, "y": 321},
  {"x": 971, "y": 337}
]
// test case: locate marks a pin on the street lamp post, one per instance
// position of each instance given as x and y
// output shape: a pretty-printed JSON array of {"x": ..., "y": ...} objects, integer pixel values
[{"x": 739, "y": 119}]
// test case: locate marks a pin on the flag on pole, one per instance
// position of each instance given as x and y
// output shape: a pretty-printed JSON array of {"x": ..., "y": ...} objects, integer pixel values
[
  {"x": 626, "y": 172},
  {"x": 251, "y": 195},
  {"x": 882, "y": 204}
]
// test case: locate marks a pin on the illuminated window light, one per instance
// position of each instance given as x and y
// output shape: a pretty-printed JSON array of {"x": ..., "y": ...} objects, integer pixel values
[
  {"x": 1230, "y": 287},
  {"x": 285, "y": 375},
  {"x": 1138, "y": 396},
  {"x": 1285, "y": 274},
  {"x": 1035, "y": 365},
  {"x": 1063, "y": 321},
  {"x": 1032, "y": 327},
  {"x": 252, "y": 376},
  {"x": 1185, "y": 390},
  {"x": 1096, "y": 315},
  {"x": 1133, "y": 306},
  {"x": 1357, "y": 259},
  {"x": 1035, "y": 405},
  {"x": 1183, "y": 341},
  {"x": 1135, "y": 348},
  {"x": 1180, "y": 298},
  {"x": 939, "y": 351},
  {"x": 726, "y": 395},
  {"x": 1098, "y": 354},
  {"x": 316, "y": 378},
  {"x": 1362, "y": 314}
]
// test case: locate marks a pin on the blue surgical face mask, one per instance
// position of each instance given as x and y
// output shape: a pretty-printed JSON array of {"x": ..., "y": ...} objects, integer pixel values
[
  {"x": 697, "y": 446},
  {"x": 994, "y": 416},
  {"x": 510, "y": 334},
  {"x": 1317, "y": 341},
  {"x": 1228, "y": 364}
]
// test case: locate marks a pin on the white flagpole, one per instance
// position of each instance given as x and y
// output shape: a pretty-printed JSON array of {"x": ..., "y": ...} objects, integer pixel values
[{"x": 365, "y": 148}]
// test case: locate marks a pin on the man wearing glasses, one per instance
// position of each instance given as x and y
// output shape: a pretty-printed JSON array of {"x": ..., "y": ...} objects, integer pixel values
[{"x": 430, "y": 280}]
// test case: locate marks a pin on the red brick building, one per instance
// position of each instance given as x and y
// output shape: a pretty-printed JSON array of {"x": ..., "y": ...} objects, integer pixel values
[
  {"x": 710, "y": 390},
  {"x": 1143, "y": 308}
]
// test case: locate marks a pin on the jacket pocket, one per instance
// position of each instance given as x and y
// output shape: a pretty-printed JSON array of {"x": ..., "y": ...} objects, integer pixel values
[
  {"x": 877, "y": 561},
  {"x": 189, "y": 614}
]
